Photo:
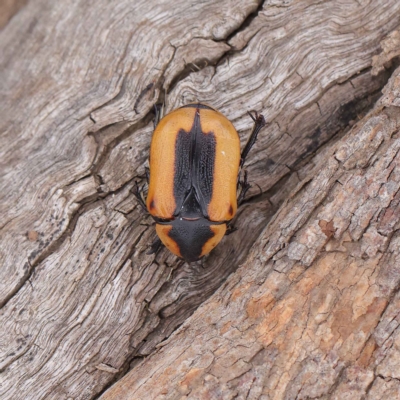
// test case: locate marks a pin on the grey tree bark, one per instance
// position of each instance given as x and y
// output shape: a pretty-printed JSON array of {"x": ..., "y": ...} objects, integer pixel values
[{"x": 301, "y": 302}]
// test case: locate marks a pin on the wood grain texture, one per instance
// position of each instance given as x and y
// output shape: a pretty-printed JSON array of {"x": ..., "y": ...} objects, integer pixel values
[
  {"x": 8, "y": 8},
  {"x": 81, "y": 301}
]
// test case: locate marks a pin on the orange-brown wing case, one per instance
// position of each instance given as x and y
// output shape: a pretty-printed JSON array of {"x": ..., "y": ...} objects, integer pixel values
[
  {"x": 223, "y": 203},
  {"x": 194, "y": 147},
  {"x": 160, "y": 199}
]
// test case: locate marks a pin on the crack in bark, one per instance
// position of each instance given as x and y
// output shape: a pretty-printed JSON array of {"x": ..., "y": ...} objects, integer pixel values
[
  {"x": 188, "y": 70},
  {"x": 85, "y": 205}
]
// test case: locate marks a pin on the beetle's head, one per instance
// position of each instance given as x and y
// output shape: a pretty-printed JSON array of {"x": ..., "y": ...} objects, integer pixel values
[{"x": 190, "y": 238}]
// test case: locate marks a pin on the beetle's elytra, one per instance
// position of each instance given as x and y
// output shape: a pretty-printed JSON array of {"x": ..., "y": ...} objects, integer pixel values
[{"x": 194, "y": 167}]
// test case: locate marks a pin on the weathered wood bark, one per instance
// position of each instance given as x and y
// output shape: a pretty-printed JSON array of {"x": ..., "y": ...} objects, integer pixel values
[
  {"x": 314, "y": 311},
  {"x": 81, "y": 301}
]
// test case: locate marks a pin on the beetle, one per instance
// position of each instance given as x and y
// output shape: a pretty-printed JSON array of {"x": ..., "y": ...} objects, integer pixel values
[{"x": 195, "y": 164}]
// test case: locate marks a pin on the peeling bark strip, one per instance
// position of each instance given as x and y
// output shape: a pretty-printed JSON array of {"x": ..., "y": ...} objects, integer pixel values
[
  {"x": 314, "y": 311},
  {"x": 81, "y": 301}
]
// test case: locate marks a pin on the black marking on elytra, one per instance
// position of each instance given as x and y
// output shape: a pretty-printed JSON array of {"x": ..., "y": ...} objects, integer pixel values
[
  {"x": 190, "y": 236},
  {"x": 152, "y": 205},
  {"x": 198, "y": 105},
  {"x": 204, "y": 162},
  {"x": 194, "y": 167},
  {"x": 182, "y": 168}
]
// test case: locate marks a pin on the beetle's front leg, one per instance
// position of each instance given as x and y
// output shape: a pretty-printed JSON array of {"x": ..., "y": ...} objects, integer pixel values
[
  {"x": 259, "y": 122},
  {"x": 158, "y": 111}
]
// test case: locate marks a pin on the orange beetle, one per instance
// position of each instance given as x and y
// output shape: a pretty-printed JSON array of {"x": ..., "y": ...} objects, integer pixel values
[{"x": 194, "y": 166}]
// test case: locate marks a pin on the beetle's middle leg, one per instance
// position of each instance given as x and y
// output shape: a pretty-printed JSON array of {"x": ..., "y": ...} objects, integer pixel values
[
  {"x": 244, "y": 187},
  {"x": 146, "y": 175},
  {"x": 259, "y": 122},
  {"x": 137, "y": 191}
]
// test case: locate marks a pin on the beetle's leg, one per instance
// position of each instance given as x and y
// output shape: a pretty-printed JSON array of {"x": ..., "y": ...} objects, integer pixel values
[
  {"x": 259, "y": 122},
  {"x": 155, "y": 246},
  {"x": 136, "y": 190},
  {"x": 244, "y": 187},
  {"x": 230, "y": 229},
  {"x": 158, "y": 111}
]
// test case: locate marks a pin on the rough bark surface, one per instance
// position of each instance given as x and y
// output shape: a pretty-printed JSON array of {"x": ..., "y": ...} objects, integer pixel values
[{"x": 312, "y": 311}]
